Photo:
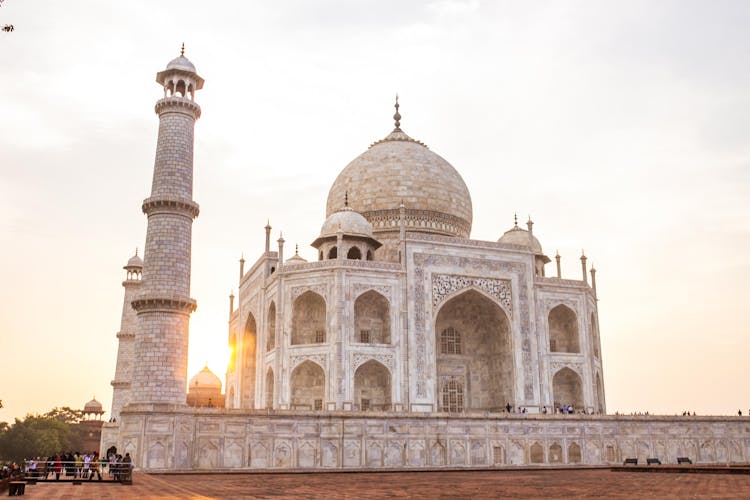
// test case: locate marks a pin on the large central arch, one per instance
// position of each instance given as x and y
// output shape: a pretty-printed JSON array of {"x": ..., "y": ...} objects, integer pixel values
[
  {"x": 474, "y": 354},
  {"x": 372, "y": 319}
]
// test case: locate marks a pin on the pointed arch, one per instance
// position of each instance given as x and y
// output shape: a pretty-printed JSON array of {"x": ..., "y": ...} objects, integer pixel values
[
  {"x": 473, "y": 348},
  {"x": 271, "y": 329},
  {"x": 567, "y": 389},
  {"x": 333, "y": 253},
  {"x": 249, "y": 355},
  {"x": 599, "y": 394},
  {"x": 354, "y": 253},
  {"x": 307, "y": 385},
  {"x": 594, "y": 335},
  {"x": 372, "y": 319},
  {"x": 372, "y": 386},
  {"x": 562, "y": 323},
  {"x": 269, "y": 389},
  {"x": 309, "y": 319}
]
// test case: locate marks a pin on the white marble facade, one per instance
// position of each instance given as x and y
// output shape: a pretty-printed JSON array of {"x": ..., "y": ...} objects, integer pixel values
[{"x": 402, "y": 345}]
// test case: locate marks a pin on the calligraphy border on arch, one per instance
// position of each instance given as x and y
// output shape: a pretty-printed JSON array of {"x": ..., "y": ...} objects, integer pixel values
[{"x": 444, "y": 285}]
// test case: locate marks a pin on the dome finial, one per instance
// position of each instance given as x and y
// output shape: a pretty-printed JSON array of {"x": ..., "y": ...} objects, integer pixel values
[
  {"x": 515, "y": 220},
  {"x": 397, "y": 116},
  {"x": 136, "y": 251},
  {"x": 346, "y": 199},
  {"x": 182, "y": 50},
  {"x": 296, "y": 249}
]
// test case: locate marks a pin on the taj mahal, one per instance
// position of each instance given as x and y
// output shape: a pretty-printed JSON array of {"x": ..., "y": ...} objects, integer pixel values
[{"x": 406, "y": 344}]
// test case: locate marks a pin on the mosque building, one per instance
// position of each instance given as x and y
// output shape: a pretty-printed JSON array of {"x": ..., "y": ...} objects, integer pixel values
[{"x": 405, "y": 344}]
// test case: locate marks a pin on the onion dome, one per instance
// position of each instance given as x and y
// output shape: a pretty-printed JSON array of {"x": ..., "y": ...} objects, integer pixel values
[
  {"x": 134, "y": 263},
  {"x": 205, "y": 379},
  {"x": 295, "y": 259},
  {"x": 183, "y": 63},
  {"x": 93, "y": 406},
  {"x": 401, "y": 170}
]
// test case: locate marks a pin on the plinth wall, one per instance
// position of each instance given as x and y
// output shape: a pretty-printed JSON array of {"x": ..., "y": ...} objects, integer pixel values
[{"x": 179, "y": 438}]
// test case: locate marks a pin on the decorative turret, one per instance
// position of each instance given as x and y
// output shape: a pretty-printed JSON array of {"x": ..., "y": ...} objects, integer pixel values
[
  {"x": 526, "y": 238},
  {"x": 163, "y": 304},
  {"x": 353, "y": 231}
]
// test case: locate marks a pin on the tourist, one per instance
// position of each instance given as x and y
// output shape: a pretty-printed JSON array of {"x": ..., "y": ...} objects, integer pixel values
[
  {"x": 78, "y": 462},
  {"x": 58, "y": 467},
  {"x": 95, "y": 466},
  {"x": 739, "y": 412}
]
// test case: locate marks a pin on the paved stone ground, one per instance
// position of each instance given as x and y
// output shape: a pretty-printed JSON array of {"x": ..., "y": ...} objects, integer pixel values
[{"x": 568, "y": 484}]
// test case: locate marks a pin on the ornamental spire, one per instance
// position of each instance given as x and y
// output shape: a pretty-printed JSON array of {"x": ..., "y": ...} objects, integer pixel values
[
  {"x": 182, "y": 50},
  {"x": 397, "y": 116}
]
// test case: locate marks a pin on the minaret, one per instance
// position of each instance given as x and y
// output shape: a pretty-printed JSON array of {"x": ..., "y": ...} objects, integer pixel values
[
  {"x": 164, "y": 305},
  {"x": 126, "y": 337}
]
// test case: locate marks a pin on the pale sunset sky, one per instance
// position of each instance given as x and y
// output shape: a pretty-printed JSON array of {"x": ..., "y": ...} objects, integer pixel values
[{"x": 622, "y": 128}]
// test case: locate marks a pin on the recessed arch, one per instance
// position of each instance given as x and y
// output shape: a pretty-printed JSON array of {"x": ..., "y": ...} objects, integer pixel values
[
  {"x": 307, "y": 385},
  {"x": 594, "y": 335},
  {"x": 372, "y": 318},
  {"x": 271, "y": 329},
  {"x": 472, "y": 288},
  {"x": 562, "y": 323},
  {"x": 269, "y": 389},
  {"x": 536, "y": 454},
  {"x": 567, "y": 389},
  {"x": 309, "y": 319},
  {"x": 232, "y": 344},
  {"x": 372, "y": 386},
  {"x": 599, "y": 394},
  {"x": 333, "y": 253},
  {"x": 480, "y": 357},
  {"x": 249, "y": 354},
  {"x": 369, "y": 255},
  {"x": 354, "y": 253}
]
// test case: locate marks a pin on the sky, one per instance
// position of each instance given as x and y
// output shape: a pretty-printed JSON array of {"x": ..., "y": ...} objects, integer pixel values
[{"x": 620, "y": 127}]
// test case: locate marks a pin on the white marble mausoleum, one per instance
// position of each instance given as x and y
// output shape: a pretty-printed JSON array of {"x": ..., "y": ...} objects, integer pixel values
[{"x": 405, "y": 344}]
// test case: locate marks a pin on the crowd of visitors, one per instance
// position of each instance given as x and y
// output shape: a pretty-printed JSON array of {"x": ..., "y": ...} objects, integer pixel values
[{"x": 75, "y": 465}]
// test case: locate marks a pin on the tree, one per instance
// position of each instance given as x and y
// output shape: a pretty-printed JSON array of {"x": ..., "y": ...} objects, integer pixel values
[
  {"x": 7, "y": 28},
  {"x": 41, "y": 435}
]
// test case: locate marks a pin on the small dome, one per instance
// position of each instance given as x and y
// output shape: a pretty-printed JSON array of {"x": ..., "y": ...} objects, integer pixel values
[
  {"x": 204, "y": 379},
  {"x": 93, "y": 406},
  {"x": 518, "y": 236},
  {"x": 134, "y": 262},
  {"x": 183, "y": 63},
  {"x": 351, "y": 223},
  {"x": 296, "y": 258}
]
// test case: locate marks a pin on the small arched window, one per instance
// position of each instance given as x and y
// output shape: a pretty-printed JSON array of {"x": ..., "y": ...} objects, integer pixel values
[
  {"x": 354, "y": 254},
  {"x": 369, "y": 255},
  {"x": 333, "y": 253},
  {"x": 450, "y": 341}
]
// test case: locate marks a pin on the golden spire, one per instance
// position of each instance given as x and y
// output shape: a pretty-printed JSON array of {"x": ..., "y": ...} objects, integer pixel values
[
  {"x": 182, "y": 50},
  {"x": 397, "y": 116}
]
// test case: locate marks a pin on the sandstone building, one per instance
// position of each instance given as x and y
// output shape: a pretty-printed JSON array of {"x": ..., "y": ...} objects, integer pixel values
[{"x": 406, "y": 343}]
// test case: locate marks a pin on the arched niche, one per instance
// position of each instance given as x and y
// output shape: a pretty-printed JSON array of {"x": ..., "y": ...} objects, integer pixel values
[
  {"x": 249, "y": 354},
  {"x": 567, "y": 389},
  {"x": 269, "y": 389},
  {"x": 474, "y": 349},
  {"x": 333, "y": 253},
  {"x": 232, "y": 365},
  {"x": 372, "y": 386},
  {"x": 271, "y": 329},
  {"x": 594, "y": 335},
  {"x": 309, "y": 319},
  {"x": 372, "y": 319},
  {"x": 354, "y": 253},
  {"x": 307, "y": 386},
  {"x": 599, "y": 394},
  {"x": 563, "y": 330}
]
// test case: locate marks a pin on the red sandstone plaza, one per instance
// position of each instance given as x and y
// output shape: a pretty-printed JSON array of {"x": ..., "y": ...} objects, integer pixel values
[{"x": 570, "y": 483}]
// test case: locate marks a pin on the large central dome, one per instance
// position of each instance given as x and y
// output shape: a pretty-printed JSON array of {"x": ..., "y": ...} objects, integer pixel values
[{"x": 399, "y": 169}]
